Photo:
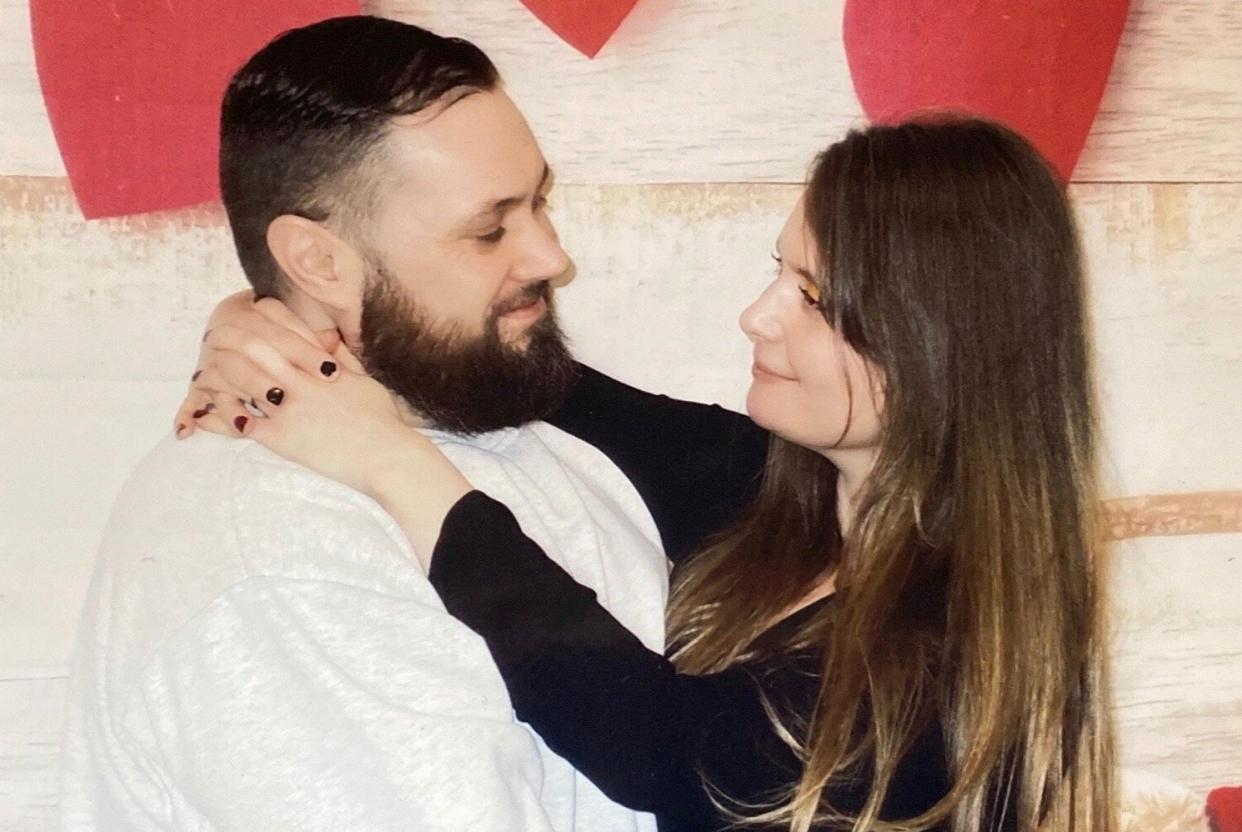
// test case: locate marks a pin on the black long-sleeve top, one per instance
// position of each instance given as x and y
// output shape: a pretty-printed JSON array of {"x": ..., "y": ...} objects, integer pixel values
[{"x": 651, "y": 738}]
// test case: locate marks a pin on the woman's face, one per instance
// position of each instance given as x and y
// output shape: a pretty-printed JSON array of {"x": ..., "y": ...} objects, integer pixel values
[{"x": 808, "y": 385}]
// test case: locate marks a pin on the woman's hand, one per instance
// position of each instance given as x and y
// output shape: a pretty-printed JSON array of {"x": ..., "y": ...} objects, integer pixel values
[
  {"x": 350, "y": 429},
  {"x": 241, "y": 330}
]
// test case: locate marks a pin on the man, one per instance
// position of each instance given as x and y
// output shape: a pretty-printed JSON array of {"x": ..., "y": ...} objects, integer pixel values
[{"x": 259, "y": 648}]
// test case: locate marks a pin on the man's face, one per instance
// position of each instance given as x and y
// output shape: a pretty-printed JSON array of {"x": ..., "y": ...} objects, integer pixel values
[
  {"x": 461, "y": 223},
  {"x": 457, "y": 317}
]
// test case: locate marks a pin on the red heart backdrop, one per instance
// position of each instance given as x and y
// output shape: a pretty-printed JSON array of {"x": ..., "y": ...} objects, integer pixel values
[
  {"x": 133, "y": 90},
  {"x": 586, "y": 25},
  {"x": 1038, "y": 67},
  {"x": 133, "y": 86}
]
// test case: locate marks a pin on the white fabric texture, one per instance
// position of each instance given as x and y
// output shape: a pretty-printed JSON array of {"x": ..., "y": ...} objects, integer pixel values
[{"x": 260, "y": 651}]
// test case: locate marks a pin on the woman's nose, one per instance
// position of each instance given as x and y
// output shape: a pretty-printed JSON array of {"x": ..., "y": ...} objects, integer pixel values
[{"x": 759, "y": 320}]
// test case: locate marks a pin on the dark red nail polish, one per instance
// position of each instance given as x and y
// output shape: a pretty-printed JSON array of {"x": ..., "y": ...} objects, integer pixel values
[
  {"x": 198, "y": 414},
  {"x": 180, "y": 428},
  {"x": 197, "y": 373},
  {"x": 209, "y": 407},
  {"x": 205, "y": 334},
  {"x": 328, "y": 368},
  {"x": 240, "y": 423},
  {"x": 275, "y": 395}
]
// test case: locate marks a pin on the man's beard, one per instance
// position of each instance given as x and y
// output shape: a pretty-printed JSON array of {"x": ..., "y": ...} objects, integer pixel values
[{"x": 459, "y": 383}]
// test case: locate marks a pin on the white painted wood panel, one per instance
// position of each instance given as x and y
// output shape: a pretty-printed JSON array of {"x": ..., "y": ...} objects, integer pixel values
[
  {"x": 67, "y": 449},
  {"x": 1166, "y": 278},
  {"x": 662, "y": 273},
  {"x": 1178, "y": 658},
  {"x": 733, "y": 90},
  {"x": 30, "y": 731},
  {"x": 27, "y": 146}
]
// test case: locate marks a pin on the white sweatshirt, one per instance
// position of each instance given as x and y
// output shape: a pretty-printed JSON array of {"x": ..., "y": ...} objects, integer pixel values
[{"x": 260, "y": 651}]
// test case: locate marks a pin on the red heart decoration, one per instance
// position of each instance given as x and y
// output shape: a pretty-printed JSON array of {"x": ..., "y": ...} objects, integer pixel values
[
  {"x": 1224, "y": 809},
  {"x": 133, "y": 90},
  {"x": 1038, "y": 67},
  {"x": 586, "y": 25}
]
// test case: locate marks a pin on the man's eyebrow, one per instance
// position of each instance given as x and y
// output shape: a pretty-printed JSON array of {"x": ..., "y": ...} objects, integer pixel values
[{"x": 496, "y": 209}]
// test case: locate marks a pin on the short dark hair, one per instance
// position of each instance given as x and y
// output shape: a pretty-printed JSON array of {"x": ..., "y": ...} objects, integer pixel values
[{"x": 305, "y": 112}]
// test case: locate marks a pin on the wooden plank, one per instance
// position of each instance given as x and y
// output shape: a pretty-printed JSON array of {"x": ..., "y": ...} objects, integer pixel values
[
  {"x": 737, "y": 91},
  {"x": 1166, "y": 281},
  {"x": 1178, "y": 658},
  {"x": 27, "y": 146},
  {"x": 1163, "y": 515},
  {"x": 30, "y": 734},
  {"x": 662, "y": 273},
  {"x": 68, "y": 448}
]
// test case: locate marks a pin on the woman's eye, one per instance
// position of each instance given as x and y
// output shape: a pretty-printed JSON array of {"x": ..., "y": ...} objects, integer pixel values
[
  {"x": 810, "y": 293},
  {"x": 492, "y": 237}
]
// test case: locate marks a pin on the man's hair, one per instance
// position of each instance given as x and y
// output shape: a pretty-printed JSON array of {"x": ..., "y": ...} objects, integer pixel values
[{"x": 306, "y": 114}]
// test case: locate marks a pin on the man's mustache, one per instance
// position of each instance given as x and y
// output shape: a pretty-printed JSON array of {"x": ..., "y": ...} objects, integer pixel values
[{"x": 524, "y": 297}]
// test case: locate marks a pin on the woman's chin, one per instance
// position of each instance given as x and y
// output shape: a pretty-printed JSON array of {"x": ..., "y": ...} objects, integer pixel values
[{"x": 760, "y": 412}]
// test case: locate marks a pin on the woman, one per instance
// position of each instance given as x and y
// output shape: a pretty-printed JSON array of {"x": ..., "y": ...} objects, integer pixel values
[{"x": 905, "y": 629}]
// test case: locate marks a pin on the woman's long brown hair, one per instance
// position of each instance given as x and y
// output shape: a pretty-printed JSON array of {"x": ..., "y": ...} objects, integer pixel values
[{"x": 969, "y": 585}]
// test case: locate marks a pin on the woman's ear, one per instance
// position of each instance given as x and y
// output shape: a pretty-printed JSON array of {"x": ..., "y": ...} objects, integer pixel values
[{"x": 317, "y": 262}]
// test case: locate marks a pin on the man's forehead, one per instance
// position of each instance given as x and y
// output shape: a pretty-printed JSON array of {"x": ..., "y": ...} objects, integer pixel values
[{"x": 478, "y": 148}]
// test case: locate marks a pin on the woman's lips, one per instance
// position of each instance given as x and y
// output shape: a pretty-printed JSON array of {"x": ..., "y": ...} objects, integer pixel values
[{"x": 759, "y": 371}]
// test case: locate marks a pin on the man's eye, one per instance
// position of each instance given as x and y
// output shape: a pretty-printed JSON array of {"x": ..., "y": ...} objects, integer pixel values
[
  {"x": 810, "y": 292},
  {"x": 492, "y": 237}
]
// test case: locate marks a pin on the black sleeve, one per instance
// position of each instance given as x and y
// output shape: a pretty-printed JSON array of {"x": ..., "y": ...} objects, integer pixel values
[
  {"x": 695, "y": 465},
  {"x": 620, "y": 713}
]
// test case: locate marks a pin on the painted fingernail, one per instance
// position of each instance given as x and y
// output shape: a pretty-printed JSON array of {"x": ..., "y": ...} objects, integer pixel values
[
  {"x": 240, "y": 423},
  {"x": 180, "y": 429},
  {"x": 209, "y": 407},
  {"x": 275, "y": 395},
  {"x": 197, "y": 373},
  {"x": 205, "y": 334},
  {"x": 198, "y": 414},
  {"x": 328, "y": 368}
]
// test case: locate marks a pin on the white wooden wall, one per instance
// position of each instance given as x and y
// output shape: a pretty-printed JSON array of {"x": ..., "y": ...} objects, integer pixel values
[{"x": 679, "y": 150}]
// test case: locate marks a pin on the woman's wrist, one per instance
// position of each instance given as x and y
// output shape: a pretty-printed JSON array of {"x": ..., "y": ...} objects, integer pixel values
[
  {"x": 412, "y": 463},
  {"x": 417, "y": 485}
]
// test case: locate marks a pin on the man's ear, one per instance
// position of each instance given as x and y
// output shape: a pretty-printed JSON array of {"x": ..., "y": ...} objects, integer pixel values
[{"x": 316, "y": 261}]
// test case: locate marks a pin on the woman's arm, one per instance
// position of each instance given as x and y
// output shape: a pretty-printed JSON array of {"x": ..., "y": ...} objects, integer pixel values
[
  {"x": 696, "y": 466},
  {"x": 621, "y": 714}
]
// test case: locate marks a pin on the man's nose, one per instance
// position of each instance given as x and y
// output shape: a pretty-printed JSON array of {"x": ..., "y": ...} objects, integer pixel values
[
  {"x": 759, "y": 320},
  {"x": 542, "y": 257}
]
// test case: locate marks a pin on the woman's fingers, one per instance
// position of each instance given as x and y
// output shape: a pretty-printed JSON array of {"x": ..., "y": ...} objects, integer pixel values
[
  {"x": 194, "y": 402},
  {"x": 276, "y": 312},
  {"x": 259, "y": 389},
  {"x": 274, "y": 349},
  {"x": 235, "y": 307},
  {"x": 348, "y": 360},
  {"x": 214, "y": 423},
  {"x": 233, "y": 417},
  {"x": 213, "y": 382},
  {"x": 327, "y": 339}
]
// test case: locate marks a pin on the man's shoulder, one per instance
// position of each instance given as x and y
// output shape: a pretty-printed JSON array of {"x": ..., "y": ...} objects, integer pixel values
[
  {"x": 201, "y": 516},
  {"x": 238, "y": 500}
]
